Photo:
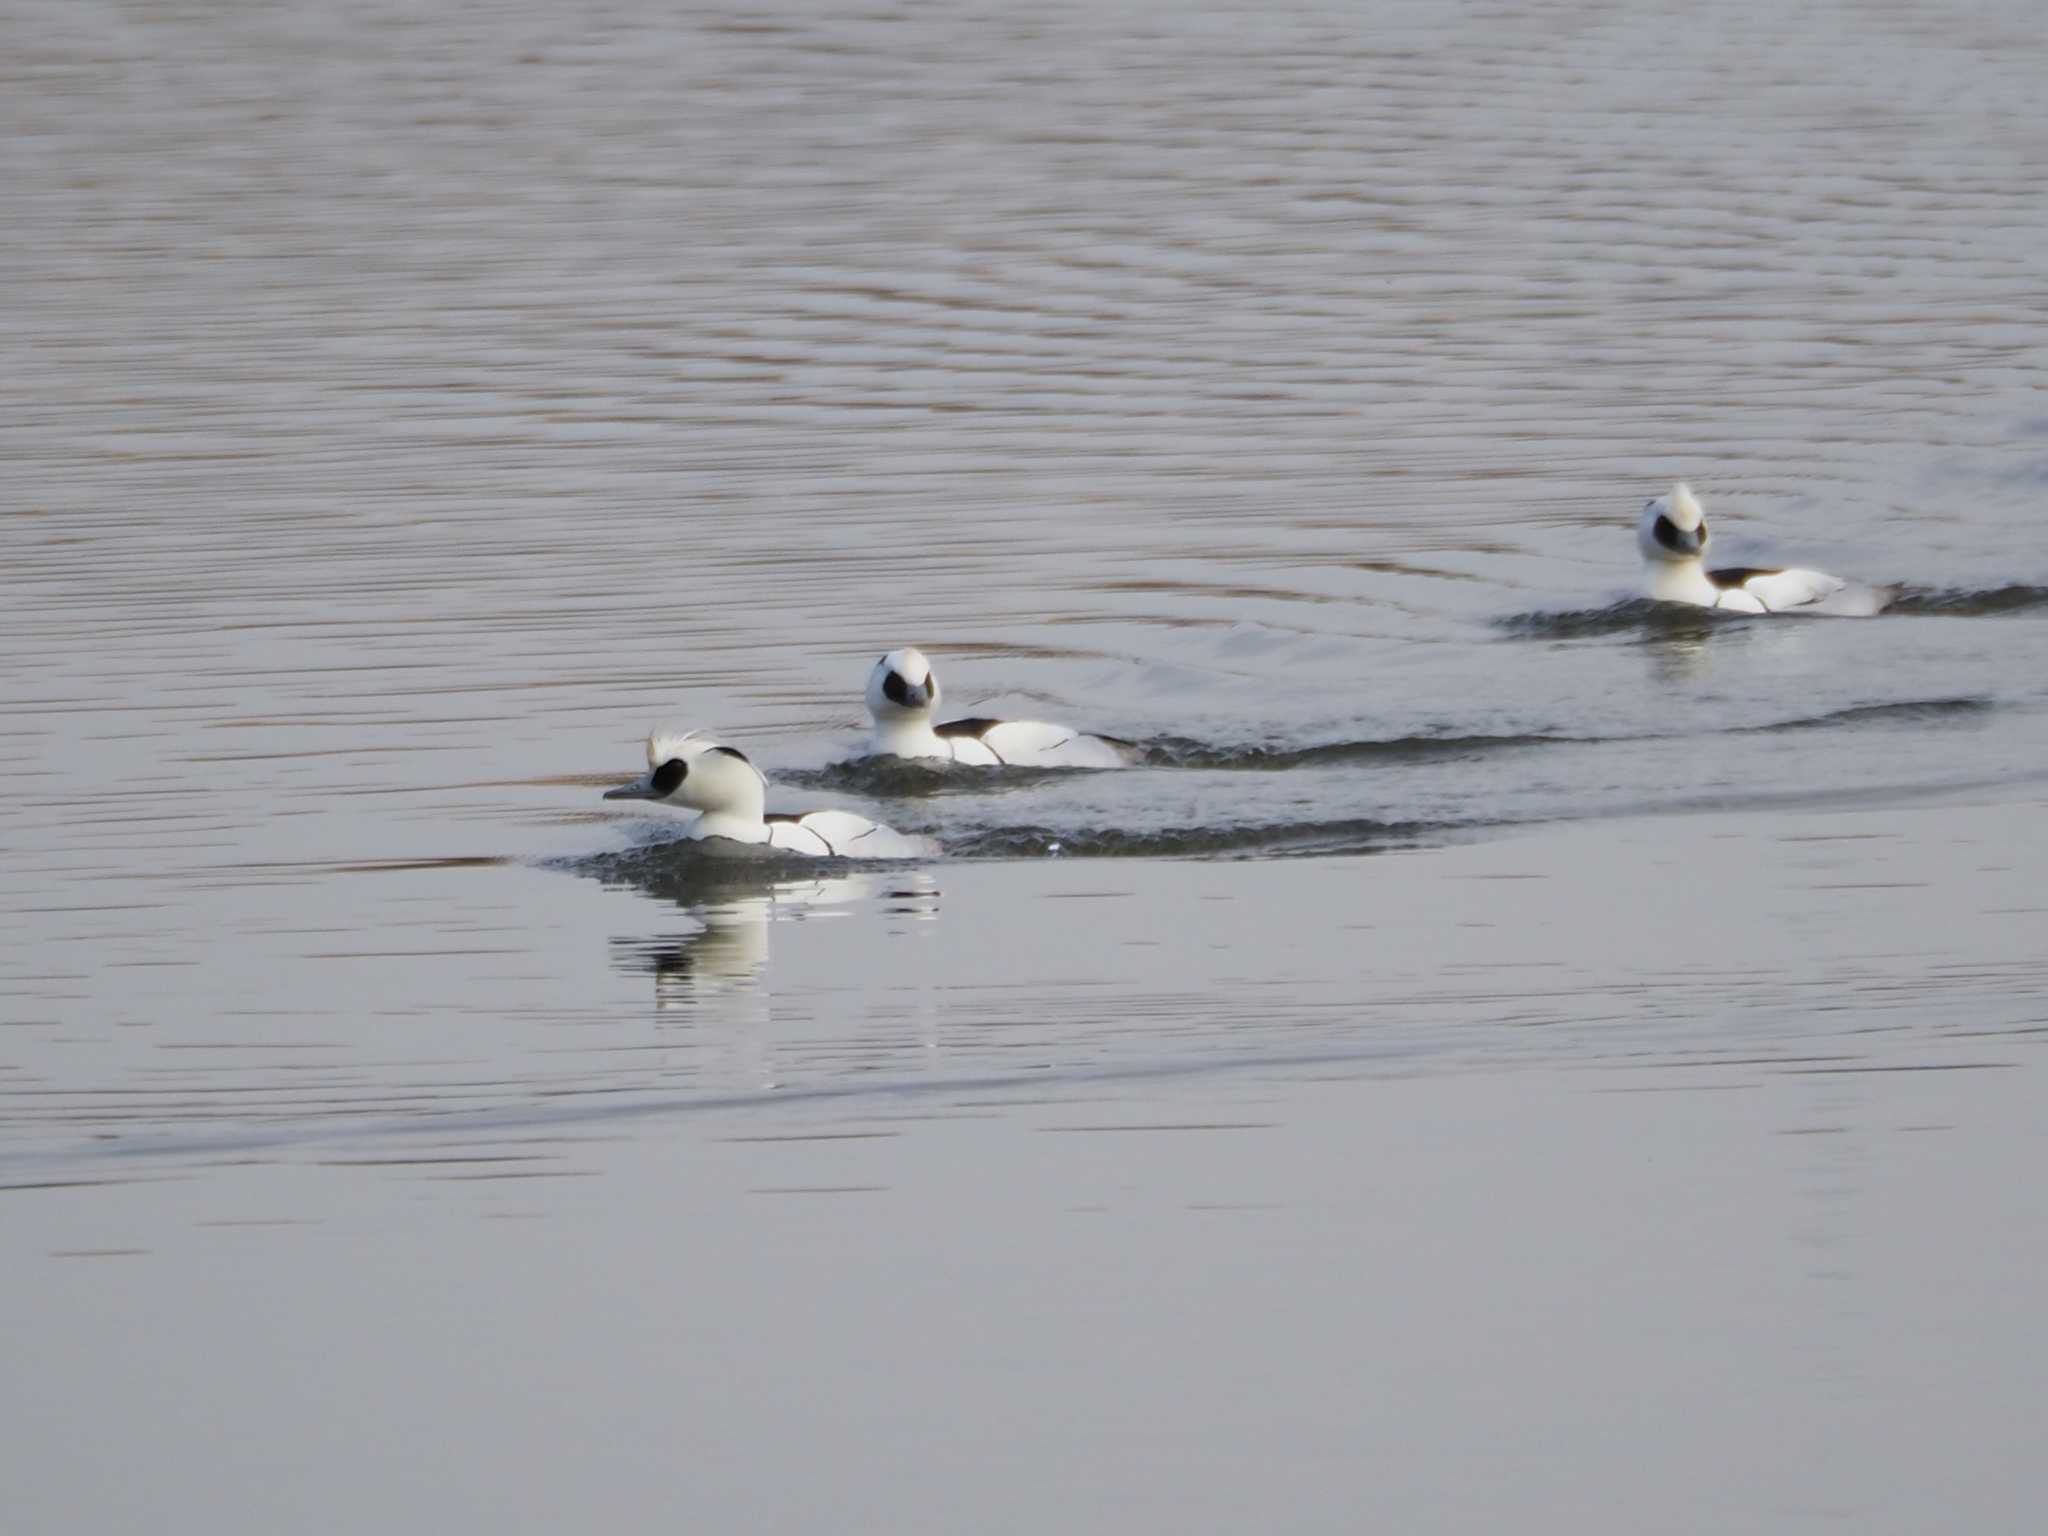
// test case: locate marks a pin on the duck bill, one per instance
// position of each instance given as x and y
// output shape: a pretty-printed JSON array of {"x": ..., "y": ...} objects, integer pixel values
[{"x": 641, "y": 788}]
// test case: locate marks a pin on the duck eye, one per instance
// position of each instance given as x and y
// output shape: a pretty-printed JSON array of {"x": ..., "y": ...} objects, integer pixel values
[
  {"x": 1667, "y": 534},
  {"x": 895, "y": 689},
  {"x": 669, "y": 775}
]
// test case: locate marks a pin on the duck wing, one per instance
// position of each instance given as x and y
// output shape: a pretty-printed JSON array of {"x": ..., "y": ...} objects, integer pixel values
[
  {"x": 1040, "y": 744},
  {"x": 1776, "y": 590},
  {"x": 844, "y": 835}
]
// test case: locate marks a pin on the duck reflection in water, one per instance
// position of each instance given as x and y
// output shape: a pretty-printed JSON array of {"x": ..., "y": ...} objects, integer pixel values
[
  {"x": 1679, "y": 658},
  {"x": 729, "y": 952}
]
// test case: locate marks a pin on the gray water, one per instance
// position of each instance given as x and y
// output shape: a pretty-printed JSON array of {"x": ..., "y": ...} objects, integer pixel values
[{"x": 1510, "y": 1057}]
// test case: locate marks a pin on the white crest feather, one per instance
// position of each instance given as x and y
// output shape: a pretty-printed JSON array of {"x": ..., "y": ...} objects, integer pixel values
[
  {"x": 665, "y": 742},
  {"x": 1685, "y": 511}
]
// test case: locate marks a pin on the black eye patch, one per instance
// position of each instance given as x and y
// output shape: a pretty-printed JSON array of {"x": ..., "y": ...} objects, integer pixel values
[
  {"x": 895, "y": 689},
  {"x": 1666, "y": 533},
  {"x": 669, "y": 775}
]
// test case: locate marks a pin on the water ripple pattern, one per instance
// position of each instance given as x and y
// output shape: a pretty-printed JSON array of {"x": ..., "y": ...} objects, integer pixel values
[{"x": 408, "y": 406}]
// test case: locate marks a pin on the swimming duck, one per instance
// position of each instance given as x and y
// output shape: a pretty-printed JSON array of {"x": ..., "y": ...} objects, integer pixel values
[
  {"x": 729, "y": 794},
  {"x": 1672, "y": 536},
  {"x": 903, "y": 692}
]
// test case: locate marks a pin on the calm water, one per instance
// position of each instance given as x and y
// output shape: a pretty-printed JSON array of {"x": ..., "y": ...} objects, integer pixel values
[{"x": 1510, "y": 1058}]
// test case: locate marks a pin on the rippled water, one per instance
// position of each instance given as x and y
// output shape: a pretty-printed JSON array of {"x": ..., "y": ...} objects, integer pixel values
[{"x": 408, "y": 405}]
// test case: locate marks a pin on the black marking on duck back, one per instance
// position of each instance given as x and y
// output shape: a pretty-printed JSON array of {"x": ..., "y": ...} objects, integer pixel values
[
  {"x": 785, "y": 818},
  {"x": 974, "y": 729},
  {"x": 1732, "y": 576}
]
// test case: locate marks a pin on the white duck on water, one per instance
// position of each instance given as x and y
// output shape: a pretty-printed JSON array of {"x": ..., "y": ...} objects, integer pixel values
[
  {"x": 1672, "y": 536},
  {"x": 730, "y": 795},
  {"x": 903, "y": 694}
]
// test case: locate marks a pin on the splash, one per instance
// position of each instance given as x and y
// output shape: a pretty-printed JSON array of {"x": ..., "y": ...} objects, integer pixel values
[
  {"x": 1630, "y": 615},
  {"x": 1666, "y": 621},
  {"x": 1300, "y": 839},
  {"x": 1981, "y": 602}
]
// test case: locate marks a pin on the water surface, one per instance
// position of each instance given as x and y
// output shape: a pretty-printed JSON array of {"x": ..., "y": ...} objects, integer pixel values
[{"x": 1508, "y": 1055}]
